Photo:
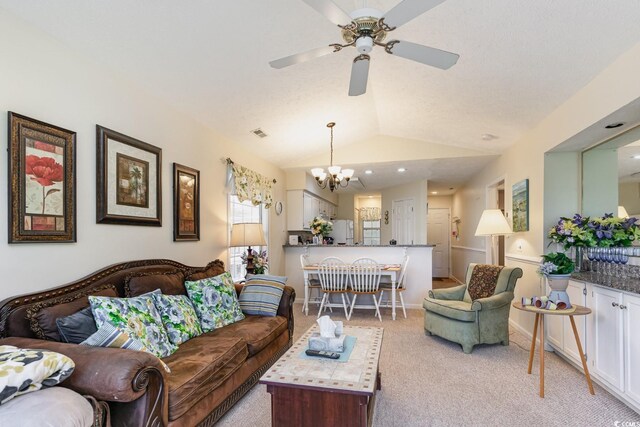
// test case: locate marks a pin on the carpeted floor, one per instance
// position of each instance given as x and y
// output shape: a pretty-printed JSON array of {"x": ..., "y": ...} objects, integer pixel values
[{"x": 427, "y": 381}]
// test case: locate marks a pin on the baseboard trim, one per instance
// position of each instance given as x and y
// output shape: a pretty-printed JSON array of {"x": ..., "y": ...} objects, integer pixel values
[{"x": 523, "y": 258}]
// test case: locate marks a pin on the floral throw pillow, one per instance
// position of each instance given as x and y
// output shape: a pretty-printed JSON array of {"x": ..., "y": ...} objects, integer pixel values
[
  {"x": 215, "y": 301},
  {"x": 178, "y": 316},
  {"x": 138, "y": 317}
]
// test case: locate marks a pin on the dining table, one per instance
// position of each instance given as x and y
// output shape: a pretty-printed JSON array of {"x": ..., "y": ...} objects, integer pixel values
[{"x": 391, "y": 270}]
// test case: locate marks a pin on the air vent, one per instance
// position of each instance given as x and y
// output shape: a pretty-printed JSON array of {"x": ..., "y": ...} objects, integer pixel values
[{"x": 259, "y": 133}]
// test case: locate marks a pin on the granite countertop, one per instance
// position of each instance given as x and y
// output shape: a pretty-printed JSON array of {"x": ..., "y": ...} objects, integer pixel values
[
  {"x": 357, "y": 246},
  {"x": 631, "y": 285}
]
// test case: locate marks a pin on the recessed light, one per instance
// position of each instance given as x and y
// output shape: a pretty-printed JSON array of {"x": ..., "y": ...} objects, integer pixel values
[
  {"x": 370, "y": 197},
  {"x": 614, "y": 125},
  {"x": 402, "y": 170},
  {"x": 368, "y": 171},
  {"x": 488, "y": 137},
  {"x": 637, "y": 157},
  {"x": 434, "y": 192}
]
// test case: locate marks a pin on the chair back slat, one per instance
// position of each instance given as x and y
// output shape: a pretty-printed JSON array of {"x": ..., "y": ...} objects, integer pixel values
[
  {"x": 334, "y": 274},
  {"x": 364, "y": 275},
  {"x": 403, "y": 270}
]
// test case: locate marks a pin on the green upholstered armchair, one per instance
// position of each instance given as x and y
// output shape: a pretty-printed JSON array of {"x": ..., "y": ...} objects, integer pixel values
[{"x": 476, "y": 312}]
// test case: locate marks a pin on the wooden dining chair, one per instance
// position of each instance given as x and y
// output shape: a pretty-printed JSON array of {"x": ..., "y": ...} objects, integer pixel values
[
  {"x": 364, "y": 278},
  {"x": 314, "y": 282},
  {"x": 400, "y": 283},
  {"x": 334, "y": 280}
]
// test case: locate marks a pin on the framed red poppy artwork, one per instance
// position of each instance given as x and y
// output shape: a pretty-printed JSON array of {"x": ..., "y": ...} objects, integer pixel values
[{"x": 42, "y": 182}]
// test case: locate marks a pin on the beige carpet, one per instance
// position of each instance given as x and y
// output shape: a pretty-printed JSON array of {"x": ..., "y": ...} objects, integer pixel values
[{"x": 427, "y": 381}]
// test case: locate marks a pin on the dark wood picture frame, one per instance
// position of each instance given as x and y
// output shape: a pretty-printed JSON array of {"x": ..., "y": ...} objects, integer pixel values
[
  {"x": 129, "y": 180},
  {"x": 186, "y": 203},
  {"x": 42, "y": 182}
]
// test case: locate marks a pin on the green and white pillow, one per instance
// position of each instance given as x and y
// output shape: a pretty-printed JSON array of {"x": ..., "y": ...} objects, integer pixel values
[
  {"x": 178, "y": 316},
  {"x": 138, "y": 317},
  {"x": 215, "y": 301},
  {"x": 25, "y": 370}
]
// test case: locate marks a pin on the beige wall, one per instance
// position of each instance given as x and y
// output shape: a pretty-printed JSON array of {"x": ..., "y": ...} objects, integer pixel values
[
  {"x": 301, "y": 180},
  {"x": 612, "y": 89},
  {"x": 629, "y": 194},
  {"x": 44, "y": 80},
  {"x": 440, "y": 201}
]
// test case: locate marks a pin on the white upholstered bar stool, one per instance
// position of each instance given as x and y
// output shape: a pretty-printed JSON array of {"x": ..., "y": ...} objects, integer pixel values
[
  {"x": 334, "y": 280},
  {"x": 364, "y": 278},
  {"x": 400, "y": 284}
]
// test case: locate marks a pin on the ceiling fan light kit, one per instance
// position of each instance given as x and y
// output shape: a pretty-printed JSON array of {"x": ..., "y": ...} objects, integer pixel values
[
  {"x": 367, "y": 27},
  {"x": 337, "y": 177}
]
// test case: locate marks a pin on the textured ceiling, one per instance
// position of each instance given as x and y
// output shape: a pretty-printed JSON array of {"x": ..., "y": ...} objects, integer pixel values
[{"x": 519, "y": 60}]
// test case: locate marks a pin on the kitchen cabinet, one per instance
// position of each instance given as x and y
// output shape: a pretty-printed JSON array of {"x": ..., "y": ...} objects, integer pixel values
[
  {"x": 559, "y": 331},
  {"x": 613, "y": 350},
  {"x": 302, "y": 207}
]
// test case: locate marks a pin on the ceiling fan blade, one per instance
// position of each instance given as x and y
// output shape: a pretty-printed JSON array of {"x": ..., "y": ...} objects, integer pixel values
[
  {"x": 302, "y": 57},
  {"x": 424, "y": 54},
  {"x": 330, "y": 10},
  {"x": 406, "y": 10},
  {"x": 359, "y": 75}
]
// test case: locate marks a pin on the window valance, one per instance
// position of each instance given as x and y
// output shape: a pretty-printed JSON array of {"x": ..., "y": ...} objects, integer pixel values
[
  {"x": 369, "y": 214},
  {"x": 250, "y": 185}
]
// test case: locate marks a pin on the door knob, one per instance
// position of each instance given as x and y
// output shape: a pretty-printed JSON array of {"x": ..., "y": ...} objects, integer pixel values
[
  {"x": 623, "y": 307},
  {"x": 614, "y": 304}
]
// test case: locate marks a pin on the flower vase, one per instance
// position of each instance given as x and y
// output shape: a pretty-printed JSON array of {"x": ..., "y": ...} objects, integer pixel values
[
  {"x": 579, "y": 255},
  {"x": 558, "y": 284}
]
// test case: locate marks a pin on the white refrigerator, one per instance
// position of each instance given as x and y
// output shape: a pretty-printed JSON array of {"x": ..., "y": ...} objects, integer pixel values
[{"x": 342, "y": 231}]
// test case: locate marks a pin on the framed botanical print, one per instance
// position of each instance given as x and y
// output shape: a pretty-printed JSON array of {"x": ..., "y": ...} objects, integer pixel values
[
  {"x": 42, "y": 182},
  {"x": 520, "y": 205},
  {"x": 129, "y": 181},
  {"x": 186, "y": 203}
]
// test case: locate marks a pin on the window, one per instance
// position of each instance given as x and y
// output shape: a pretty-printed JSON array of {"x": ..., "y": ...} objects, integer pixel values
[
  {"x": 371, "y": 232},
  {"x": 244, "y": 212}
]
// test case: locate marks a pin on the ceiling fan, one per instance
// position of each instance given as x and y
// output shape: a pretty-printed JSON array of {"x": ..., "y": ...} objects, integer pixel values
[{"x": 367, "y": 27}]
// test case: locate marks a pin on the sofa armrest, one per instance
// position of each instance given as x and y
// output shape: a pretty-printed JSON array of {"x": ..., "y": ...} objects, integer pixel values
[
  {"x": 455, "y": 293},
  {"x": 492, "y": 302},
  {"x": 111, "y": 374}
]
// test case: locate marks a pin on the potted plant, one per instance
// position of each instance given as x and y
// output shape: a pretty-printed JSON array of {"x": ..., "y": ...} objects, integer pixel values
[
  {"x": 557, "y": 268},
  {"x": 320, "y": 227}
]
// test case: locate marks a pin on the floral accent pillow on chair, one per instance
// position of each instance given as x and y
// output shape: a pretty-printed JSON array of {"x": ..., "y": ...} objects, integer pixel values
[
  {"x": 215, "y": 301},
  {"x": 178, "y": 316},
  {"x": 138, "y": 317}
]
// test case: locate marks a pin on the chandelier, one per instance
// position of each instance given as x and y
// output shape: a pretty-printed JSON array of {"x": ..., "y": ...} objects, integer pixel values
[{"x": 336, "y": 176}]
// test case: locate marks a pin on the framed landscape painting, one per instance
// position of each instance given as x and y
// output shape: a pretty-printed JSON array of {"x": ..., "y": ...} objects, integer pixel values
[
  {"x": 129, "y": 180},
  {"x": 520, "y": 205},
  {"x": 42, "y": 182},
  {"x": 186, "y": 203}
]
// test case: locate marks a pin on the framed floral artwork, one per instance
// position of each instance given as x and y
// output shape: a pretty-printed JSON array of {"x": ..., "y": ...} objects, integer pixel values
[
  {"x": 129, "y": 180},
  {"x": 42, "y": 182},
  {"x": 186, "y": 203}
]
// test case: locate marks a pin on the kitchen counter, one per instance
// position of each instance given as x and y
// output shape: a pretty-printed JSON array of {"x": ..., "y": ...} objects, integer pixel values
[{"x": 618, "y": 283}]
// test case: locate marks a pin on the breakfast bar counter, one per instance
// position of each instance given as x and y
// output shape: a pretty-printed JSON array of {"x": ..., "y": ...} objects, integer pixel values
[{"x": 418, "y": 275}]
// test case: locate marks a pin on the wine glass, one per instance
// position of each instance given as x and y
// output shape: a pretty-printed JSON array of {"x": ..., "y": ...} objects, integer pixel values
[
  {"x": 624, "y": 258},
  {"x": 591, "y": 255}
]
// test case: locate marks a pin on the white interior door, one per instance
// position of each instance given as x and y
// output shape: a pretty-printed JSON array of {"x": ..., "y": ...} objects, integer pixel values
[
  {"x": 438, "y": 231},
  {"x": 403, "y": 223}
]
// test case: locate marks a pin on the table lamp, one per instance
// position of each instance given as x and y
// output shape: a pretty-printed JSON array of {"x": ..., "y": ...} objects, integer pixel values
[
  {"x": 493, "y": 223},
  {"x": 247, "y": 234}
]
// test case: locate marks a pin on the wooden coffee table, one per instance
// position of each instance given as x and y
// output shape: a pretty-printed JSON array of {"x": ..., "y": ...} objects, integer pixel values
[{"x": 323, "y": 392}]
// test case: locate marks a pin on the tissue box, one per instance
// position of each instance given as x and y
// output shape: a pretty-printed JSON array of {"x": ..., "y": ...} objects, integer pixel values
[{"x": 316, "y": 342}]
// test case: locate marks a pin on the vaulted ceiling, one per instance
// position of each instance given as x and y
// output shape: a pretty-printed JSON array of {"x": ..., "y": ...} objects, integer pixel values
[{"x": 519, "y": 60}]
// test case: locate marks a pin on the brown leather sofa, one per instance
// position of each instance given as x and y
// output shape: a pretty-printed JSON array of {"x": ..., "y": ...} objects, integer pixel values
[{"x": 208, "y": 375}]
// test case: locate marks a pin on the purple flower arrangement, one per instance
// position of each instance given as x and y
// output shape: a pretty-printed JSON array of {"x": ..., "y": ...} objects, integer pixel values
[{"x": 605, "y": 231}]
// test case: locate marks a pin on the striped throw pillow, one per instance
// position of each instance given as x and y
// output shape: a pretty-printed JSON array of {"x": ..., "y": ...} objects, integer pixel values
[
  {"x": 261, "y": 295},
  {"x": 111, "y": 336}
]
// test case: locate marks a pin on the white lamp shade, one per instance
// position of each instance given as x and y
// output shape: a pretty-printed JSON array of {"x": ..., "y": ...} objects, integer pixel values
[
  {"x": 493, "y": 223},
  {"x": 622, "y": 212},
  {"x": 247, "y": 234},
  {"x": 334, "y": 170},
  {"x": 348, "y": 173},
  {"x": 317, "y": 172}
]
